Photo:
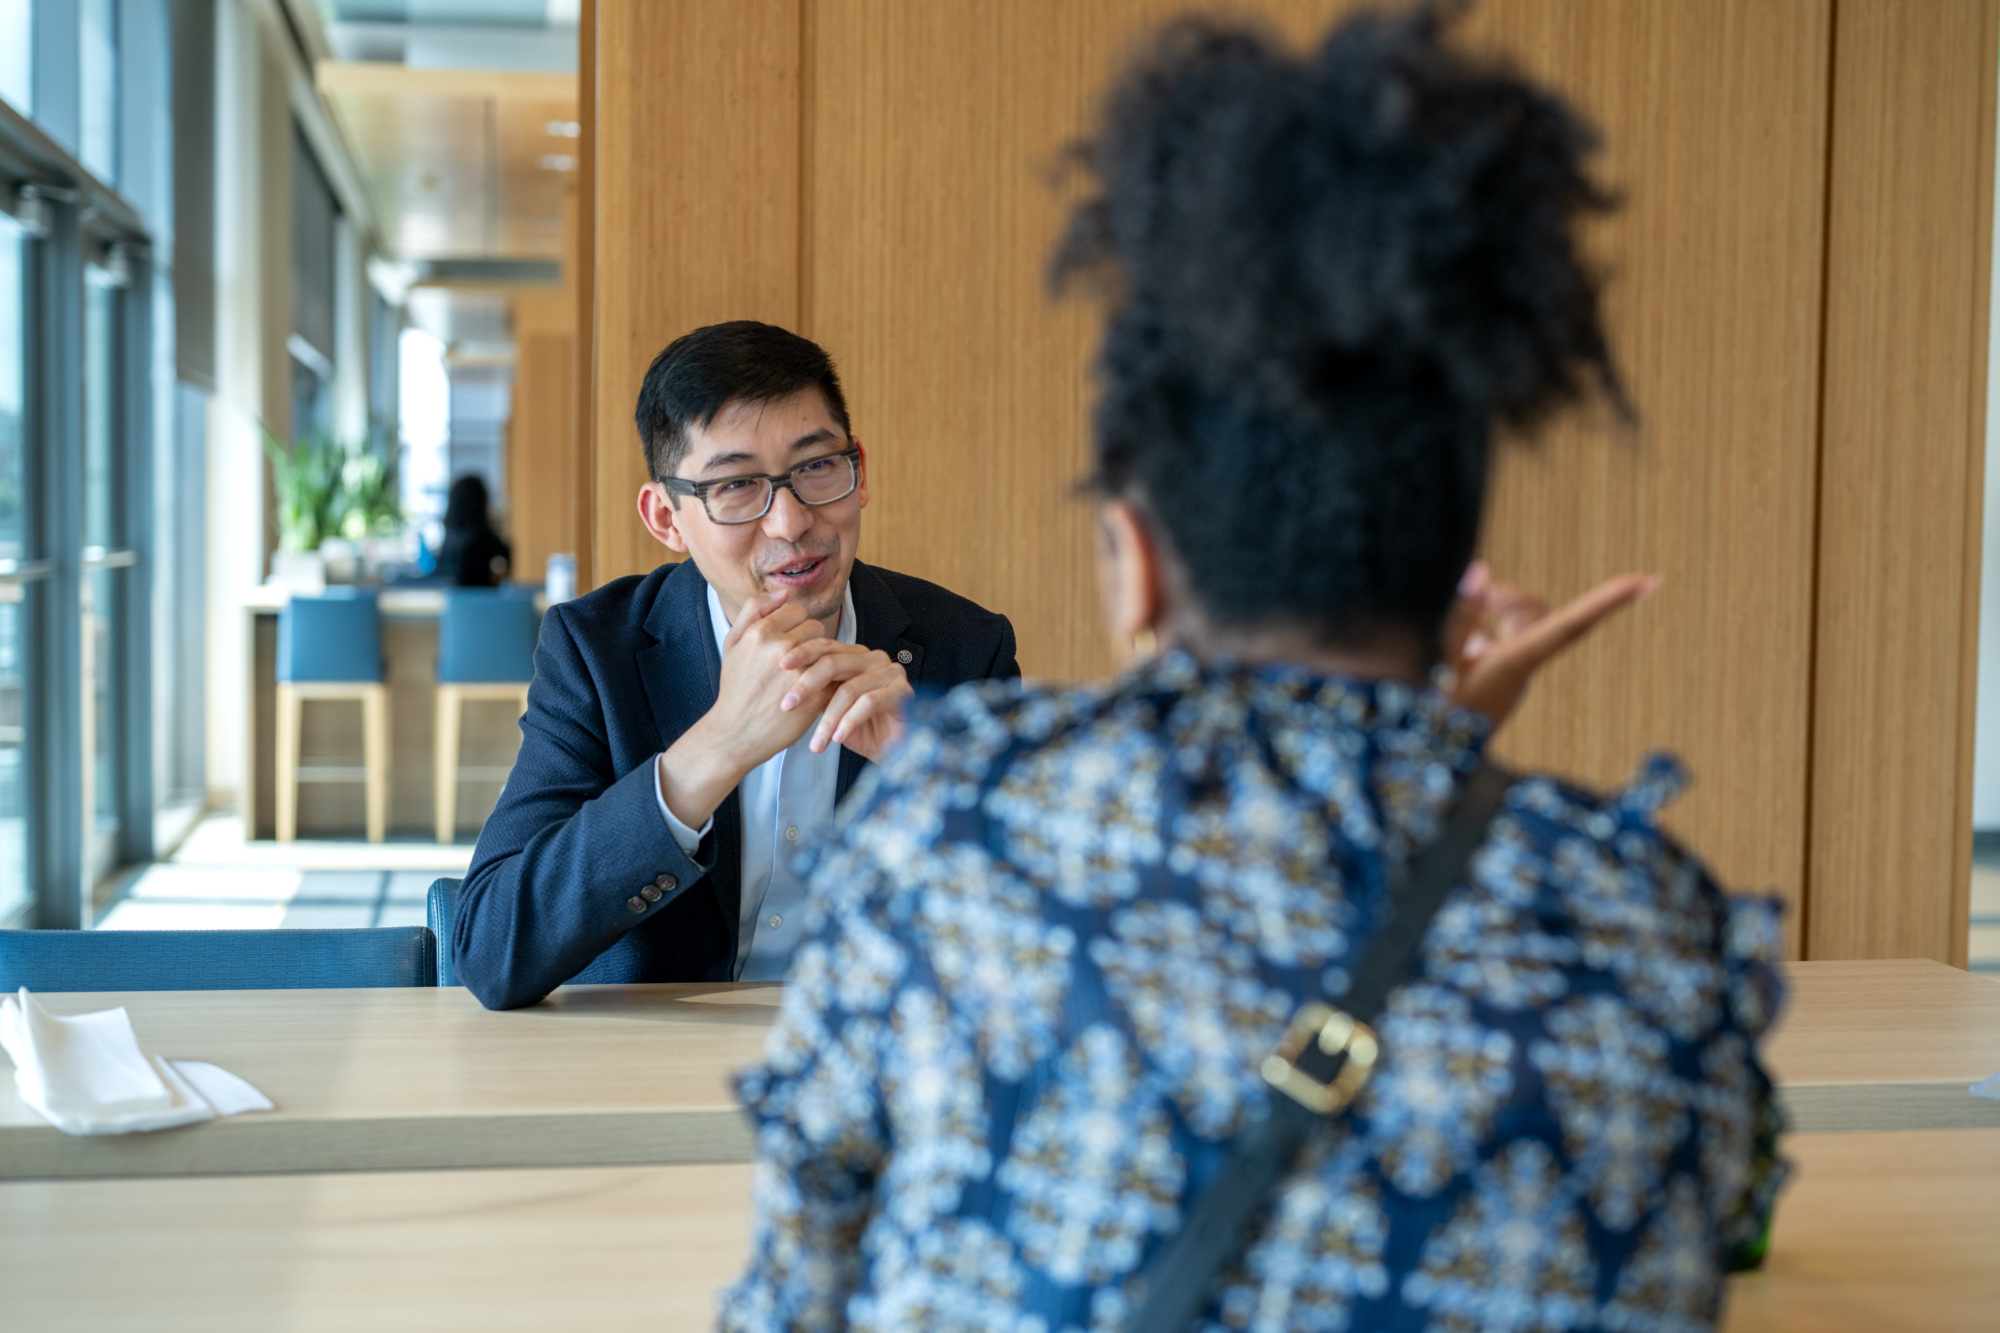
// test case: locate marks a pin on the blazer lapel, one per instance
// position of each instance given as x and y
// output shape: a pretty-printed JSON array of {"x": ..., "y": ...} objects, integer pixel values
[
  {"x": 682, "y": 671},
  {"x": 879, "y": 622}
]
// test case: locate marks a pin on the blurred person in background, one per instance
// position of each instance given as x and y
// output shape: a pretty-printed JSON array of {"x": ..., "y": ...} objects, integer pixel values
[
  {"x": 473, "y": 554},
  {"x": 1058, "y": 932}
]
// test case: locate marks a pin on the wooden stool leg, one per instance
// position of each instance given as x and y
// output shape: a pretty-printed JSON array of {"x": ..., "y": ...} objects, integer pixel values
[
  {"x": 450, "y": 706},
  {"x": 375, "y": 755},
  {"x": 289, "y": 706}
]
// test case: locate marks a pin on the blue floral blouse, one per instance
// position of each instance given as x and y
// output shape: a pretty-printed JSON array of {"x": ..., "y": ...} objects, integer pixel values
[{"x": 1057, "y": 931}]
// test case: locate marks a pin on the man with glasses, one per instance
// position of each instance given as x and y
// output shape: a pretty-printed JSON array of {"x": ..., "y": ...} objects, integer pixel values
[{"x": 690, "y": 731}]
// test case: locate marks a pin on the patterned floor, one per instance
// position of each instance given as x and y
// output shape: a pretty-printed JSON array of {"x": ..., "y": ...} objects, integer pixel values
[{"x": 217, "y": 881}]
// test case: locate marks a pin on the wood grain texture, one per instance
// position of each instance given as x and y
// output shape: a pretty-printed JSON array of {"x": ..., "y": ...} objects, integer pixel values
[
  {"x": 889, "y": 194},
  {"x": 396, "y": 1079},
  {"x": 610, "y": 1250},
  {"x": 426, "y": 1078},
  {"x": 695, "y": 210},
  {"x": 1713, "y": 115},
  {"x": 1877, "y": 1233},
  {"x": 541, "y": 432},
  {"x": 936, "y": 134},
  {"x": 1880, "y": 1233},
  {"x": 582, "y": 277},
  {"x": 1906, "y": 312}
]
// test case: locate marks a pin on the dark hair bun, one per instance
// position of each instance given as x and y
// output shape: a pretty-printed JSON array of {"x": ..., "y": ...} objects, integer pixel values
[{"x": 1353, "y": 262}]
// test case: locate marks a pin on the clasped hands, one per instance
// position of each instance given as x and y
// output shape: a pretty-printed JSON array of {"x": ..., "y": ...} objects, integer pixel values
[{"x": 782, "y": 675}]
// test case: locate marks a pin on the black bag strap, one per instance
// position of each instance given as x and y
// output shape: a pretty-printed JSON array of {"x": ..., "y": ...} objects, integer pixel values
[{"x": 1322, "y": 1062}]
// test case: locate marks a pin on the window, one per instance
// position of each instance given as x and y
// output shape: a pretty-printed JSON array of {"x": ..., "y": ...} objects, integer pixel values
[
  {"x": 106, "y": 560},
  {"x": 15, "y": 890},
  {"x": 97, "y": 84},
  {"x": 17, "y": 45}
]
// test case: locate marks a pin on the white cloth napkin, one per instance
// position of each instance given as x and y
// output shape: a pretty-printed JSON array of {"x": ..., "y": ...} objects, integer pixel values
[
  {"x": 87, "y": 1075},
  {"x": 1988, "y": 1087}
]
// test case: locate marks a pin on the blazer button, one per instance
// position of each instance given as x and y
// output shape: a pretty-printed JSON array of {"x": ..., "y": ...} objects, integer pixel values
[
  {"x": 904, "y": 656},
  {"x": 650, "y": 894},
  {"x": 635, "y": 904},
  {"x": 665, "y": 883}
]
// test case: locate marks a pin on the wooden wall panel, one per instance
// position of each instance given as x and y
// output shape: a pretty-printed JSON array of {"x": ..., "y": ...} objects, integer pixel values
[
  {"x": 1714, "y": 117},
  {"x": 935, "y": 132},
  {"x": 1908, "y": 232},
  {"x": 541, "y": 433},
  {"x": 932, "y": 223},
  {"x": 695, "y": 212},
  {"x": 582, "y": 278},
  {"x": 875, "y": 173}
]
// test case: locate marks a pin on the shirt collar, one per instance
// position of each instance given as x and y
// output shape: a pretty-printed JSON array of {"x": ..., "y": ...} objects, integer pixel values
[{"x": 848, "y": 633}]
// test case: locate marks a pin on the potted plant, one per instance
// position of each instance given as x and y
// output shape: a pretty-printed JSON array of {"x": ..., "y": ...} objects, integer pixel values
[
  {"x": 330, "y": 495},
  {"x": 306, "y": 474}
]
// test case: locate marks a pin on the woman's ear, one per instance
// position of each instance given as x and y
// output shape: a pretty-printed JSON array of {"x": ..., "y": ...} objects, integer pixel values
[{"x": 1129, "y": 578}]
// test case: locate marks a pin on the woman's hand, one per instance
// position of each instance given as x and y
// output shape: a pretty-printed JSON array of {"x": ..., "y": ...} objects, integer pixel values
[{"x": 1498, "y": 635}]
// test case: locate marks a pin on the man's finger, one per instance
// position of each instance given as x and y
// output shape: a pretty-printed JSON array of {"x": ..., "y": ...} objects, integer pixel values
[
  {"x": 855, "y": 702},
  {"x": 831, "y": 669},
  {"x": 802, "y": 655},
  {"x": 751, "y": 613}
]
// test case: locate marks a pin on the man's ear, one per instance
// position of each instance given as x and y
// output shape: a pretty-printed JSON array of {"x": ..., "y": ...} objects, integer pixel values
[
  {"x": 662, "y": 519},
  {"x": 860, "y": 469}
]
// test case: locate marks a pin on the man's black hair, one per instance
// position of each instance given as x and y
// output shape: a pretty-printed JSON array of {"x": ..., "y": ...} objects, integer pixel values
[
  {"x": 1332, "y": 276},
  {"x": 702, "y": 372}
]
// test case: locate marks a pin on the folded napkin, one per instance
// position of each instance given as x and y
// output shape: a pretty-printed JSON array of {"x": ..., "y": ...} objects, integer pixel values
[
  {"x": 1988, "y": 1087},
  {"x": 87, "y": 1075}
]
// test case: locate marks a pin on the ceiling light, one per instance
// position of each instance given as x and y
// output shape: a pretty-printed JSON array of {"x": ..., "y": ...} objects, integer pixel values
[
  {"x": 558, "y": 162},
  {"x": 564, "y": 129}
]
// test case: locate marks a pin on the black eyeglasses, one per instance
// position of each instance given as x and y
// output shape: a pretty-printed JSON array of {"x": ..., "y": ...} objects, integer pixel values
[{"x": 747, "y": 499}]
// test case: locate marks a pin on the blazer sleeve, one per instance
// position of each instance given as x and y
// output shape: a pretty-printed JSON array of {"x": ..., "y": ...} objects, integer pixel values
[
  {"x": 1003, "y": 666},
  {"x": 568, "y": 849}
]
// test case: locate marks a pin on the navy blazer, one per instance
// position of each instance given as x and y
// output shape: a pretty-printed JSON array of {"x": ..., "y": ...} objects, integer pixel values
[{"x": 619, "y": 674}]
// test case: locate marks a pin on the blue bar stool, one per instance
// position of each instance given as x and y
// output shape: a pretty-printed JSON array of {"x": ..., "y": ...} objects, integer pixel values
[
  {"x": 330, "y": 648},
  {"x": 486, "y": 650}
]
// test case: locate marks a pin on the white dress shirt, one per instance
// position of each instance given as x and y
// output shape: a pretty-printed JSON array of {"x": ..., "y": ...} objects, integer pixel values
[{"x": 788, "y": 802}]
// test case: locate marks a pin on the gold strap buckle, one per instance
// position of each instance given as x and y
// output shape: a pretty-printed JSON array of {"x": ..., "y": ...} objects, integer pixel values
[{"x": 1337, "y": 1032}]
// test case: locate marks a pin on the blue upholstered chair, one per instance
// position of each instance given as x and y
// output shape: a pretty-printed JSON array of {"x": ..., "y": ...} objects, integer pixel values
[
  {"x": 330, "y": 647},
  {"x": 486, "y": 650},
  {"x": 439, "y": 906},
  {"x": 85, "y": 960}
]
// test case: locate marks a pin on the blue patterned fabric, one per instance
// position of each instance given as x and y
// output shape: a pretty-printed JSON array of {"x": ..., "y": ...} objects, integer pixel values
[{"x": 1057, "y": 932}]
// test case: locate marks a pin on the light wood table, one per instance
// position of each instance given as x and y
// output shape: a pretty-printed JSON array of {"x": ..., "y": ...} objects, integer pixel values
[
  {"x": 1881, "y": 1233},
  {"x": 410, "y": 1079},
  {"x": 603, "y": 1248},
  {"x": 1886, "y": 1044},
  {"x": 635, "y": 1075},
  {"x": 1878, "y": 1233}
]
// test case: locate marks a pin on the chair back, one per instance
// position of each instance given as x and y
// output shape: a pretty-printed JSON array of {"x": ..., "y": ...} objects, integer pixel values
[
  {"x": 486, "y": 636},
  {"x": 89, "y": 960},
  {"x": 337, "y": 637},
  {"x": 439, "y": 905}
]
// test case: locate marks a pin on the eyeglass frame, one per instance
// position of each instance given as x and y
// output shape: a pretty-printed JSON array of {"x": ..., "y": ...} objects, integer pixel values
[{"x": 700, "y": 489}]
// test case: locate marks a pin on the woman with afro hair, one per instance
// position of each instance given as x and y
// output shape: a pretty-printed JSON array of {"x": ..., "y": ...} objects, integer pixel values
[{"x": 1059, "y": 931}]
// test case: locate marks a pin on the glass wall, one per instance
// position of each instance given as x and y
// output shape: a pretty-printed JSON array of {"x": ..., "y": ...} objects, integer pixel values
[
  {"x": 106, "y": 561},
  {"x": 17, "y": 31},
  {"x": 86, "y": 328},
  {"x": 98, "y": 88},
  {"x": 14, "y": 885}
]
